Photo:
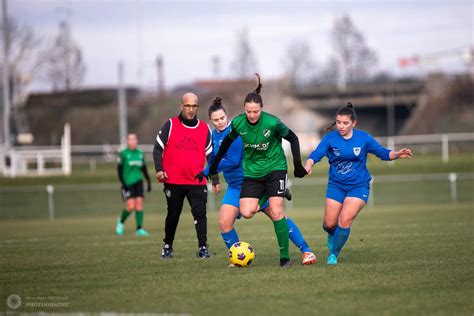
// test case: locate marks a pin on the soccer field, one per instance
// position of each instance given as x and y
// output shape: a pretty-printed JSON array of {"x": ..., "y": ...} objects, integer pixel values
[{"x": 407, "y": 260}]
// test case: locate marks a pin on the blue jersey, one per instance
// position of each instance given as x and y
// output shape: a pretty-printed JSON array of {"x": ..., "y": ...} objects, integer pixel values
[
  {"x": 231, "y": 163},
  {"x": 348, "y": 157}
]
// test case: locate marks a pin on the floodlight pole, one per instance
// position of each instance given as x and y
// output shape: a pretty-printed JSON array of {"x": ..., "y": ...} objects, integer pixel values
[
  {"x": 122, "y": 100},
  {"x": 6, "y": 78}
]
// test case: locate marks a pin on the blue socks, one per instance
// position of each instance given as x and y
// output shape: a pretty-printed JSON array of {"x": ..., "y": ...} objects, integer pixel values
[
  {"x": 296, "y": 237},
  {"x": 330, "y": 231},
  {"x": 230, "y": 238},
  {"x": 340, "y": 237}
]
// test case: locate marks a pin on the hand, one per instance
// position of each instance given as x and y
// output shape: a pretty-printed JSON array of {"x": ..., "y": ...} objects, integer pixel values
[
  {"x": 161, "y": 176},
  {"x": 201, "y": 175},
  {"x": 309, "y": 167},
  {"x": 404, "y": 153},
  {"x": 216, "y": 188},
  {"x": 148, "y": 188},
  {"x": 300, "y": 171}
]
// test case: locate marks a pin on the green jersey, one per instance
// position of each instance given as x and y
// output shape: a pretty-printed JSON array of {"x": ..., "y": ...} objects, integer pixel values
[
  {"x": 263, "y": 152},
  {"x": 132, "y": 162}
]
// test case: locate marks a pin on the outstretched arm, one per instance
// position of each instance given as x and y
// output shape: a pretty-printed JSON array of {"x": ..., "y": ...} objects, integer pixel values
[
  {"x": 299, "y": 171},
  {"x": 317, "y": 154},
  {"x": 383, "y": 153},
  {"x": 233, "y": 157},
  {"x": 222, "y": 150}
]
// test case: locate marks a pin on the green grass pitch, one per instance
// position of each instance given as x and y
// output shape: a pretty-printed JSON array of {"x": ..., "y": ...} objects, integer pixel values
[{"x": 414, "y": 259}]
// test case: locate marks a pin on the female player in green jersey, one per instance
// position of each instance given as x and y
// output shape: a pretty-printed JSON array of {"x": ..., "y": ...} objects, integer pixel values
[
  {"x": 130, "y": 166},
  {"x": 264, "y": 164}
]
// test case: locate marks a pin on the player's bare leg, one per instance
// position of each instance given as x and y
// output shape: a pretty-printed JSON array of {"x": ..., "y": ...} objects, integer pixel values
[
  {"x": 249, "y": 207},
  {"x": 331, "y": 217},
  {"x": 129, "y": 208},
  {"x": 139, "y": 217}
]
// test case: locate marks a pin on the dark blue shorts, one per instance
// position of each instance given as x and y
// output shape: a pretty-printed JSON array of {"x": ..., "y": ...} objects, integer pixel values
[{"x": 339, "y": 192}]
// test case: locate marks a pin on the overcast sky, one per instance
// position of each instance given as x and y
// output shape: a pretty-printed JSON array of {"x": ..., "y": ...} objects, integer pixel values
[{"x": 188, "y": 34}]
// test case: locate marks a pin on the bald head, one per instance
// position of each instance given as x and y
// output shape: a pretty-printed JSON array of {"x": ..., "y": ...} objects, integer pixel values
[
  {"x": 189, "y": 105},
  {"x": 189, "y": 98}
]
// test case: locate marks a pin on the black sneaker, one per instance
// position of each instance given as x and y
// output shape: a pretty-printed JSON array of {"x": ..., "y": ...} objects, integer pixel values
[
  {"x": 167, "y": 252},
  {"x": 288, "y": 195},
  {"x": 285, "y": 262},
  {"x": 203, "y": 252}
]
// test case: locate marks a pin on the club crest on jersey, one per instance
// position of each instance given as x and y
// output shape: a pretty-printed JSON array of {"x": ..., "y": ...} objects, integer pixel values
[
  {"x": 266, "y": 133},
  {"x": 356, "y": 151}
]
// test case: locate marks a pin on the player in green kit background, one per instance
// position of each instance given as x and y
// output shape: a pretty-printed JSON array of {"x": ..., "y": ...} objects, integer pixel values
[
  {"x": 130, "y": 167},
  {"x": 264, "y": 164}
]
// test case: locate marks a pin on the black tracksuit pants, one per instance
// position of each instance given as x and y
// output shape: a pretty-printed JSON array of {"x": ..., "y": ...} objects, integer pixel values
[{"x": 197, "y": 198}]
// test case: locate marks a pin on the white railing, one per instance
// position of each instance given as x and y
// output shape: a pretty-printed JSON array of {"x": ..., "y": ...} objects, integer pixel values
[
  {"x": 442, "y": 139},
  {"x": 451, "y": 177},
  {"x": 308, "y": 142},
  {"x": 20, "y": 158}
]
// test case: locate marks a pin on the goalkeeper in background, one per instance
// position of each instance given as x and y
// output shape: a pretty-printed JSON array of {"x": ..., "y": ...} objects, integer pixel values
[{"x": 130, "y": 167}]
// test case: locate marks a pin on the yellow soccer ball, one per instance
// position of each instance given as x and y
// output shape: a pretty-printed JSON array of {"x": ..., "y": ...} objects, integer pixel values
[{"x": 241, "y": 254}]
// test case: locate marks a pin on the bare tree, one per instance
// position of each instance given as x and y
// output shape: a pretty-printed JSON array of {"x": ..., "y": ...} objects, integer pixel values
[
  {"x": 328, "y": 73},
  {"x": 65, "y": 66},
  {"x": 355, "y": 59},
  {"x": 299, "y": 62},
  {"x": 27, "y": 56},
  {"x": 245, "y": 62}
]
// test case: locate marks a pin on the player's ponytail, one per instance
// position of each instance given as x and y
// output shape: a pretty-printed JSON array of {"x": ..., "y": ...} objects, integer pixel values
[
  {"x": 216, "y": 106},
  {"x": 254, "y": 96},
  {"x": 259, "y": 86},
  {"x": 345, "y": 110}
]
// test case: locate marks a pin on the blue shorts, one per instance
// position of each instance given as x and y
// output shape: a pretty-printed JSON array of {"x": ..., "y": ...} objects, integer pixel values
[
  {"x": 339, "y": 192},
  {"x": 232, "y": 197}
]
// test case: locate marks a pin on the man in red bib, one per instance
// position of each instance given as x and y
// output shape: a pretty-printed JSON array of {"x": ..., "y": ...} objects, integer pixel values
[{"x": 180, "y": 152}]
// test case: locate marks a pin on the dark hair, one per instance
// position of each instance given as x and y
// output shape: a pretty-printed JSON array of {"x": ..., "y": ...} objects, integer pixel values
[
  {"x": 345, "y": 110},
  {"x": 255, "y": 96},
  {"x": 216, "y": 106}
]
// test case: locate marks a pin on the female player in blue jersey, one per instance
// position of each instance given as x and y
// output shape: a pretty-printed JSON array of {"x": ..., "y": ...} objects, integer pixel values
[
  {"x": 231, "y": 166},
  {"x": 349, "y": 180}
]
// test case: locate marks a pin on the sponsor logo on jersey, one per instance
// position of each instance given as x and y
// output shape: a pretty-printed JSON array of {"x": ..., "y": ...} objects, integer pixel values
[
  {"x": 266, "y": 133},
  {"x": 344, "y": 167},
  {"x": 262, "y": 146},
  {"x": 356, "y": 151},
  {"x": 138, "y": 163}
]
